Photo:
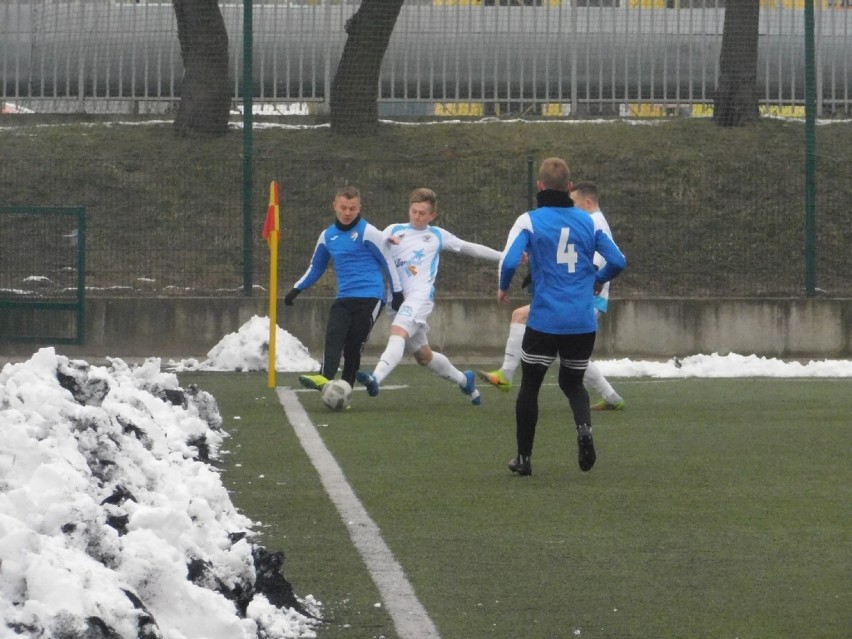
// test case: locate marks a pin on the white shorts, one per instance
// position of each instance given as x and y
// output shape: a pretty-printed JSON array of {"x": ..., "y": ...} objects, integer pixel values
[{"x": 412, "y": 317}]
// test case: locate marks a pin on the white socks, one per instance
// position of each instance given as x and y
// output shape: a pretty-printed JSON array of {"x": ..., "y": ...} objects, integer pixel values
[
  {"x": 512, "y": 356},
  {"x": 595, "y": 380},
  {"x": 394, "y": 353},
  {"x": 442, "y": 367},
  {"x": 390, "y": 358}
]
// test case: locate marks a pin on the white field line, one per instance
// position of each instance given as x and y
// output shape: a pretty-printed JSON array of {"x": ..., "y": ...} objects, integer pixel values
[
  {"x": 409, "y": 616},
  {"x": 357, "y": 389}
]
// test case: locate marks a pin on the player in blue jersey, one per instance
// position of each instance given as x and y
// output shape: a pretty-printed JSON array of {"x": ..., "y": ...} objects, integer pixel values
[
  {"x": 560, "y": 241},
  {"x": 585, "y": 196},
  {"x": 362, "y": 262},
  {"x": 416, "y": 247}
]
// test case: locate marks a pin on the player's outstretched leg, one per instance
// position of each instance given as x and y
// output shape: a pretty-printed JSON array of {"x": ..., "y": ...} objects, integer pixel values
[
  {"x": 501, "y": 378},
  {"x": 443, "y": 368},
  {"x": 610, "y": 399},
  {"x": 617, "y": 404},
  {"x": 497, "y": 379},
  {"x": 369, "y": 382},
  {"x": 469, "y": 388}
]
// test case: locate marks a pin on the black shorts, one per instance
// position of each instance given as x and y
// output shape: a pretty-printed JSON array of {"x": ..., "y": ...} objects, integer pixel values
[
  {"x": 574, "y": 351},
  {"x": 354, "y": 317}
]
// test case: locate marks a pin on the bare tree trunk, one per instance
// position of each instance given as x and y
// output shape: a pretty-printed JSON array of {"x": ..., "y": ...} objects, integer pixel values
[
  {"x": 354, "y": 107},
  {"x": 736, "y": 99},
  {"x": 205, "y": 98}
]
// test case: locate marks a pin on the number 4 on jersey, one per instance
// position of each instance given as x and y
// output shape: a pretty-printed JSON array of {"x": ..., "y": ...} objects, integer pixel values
[{"x": 566, "y": 253}]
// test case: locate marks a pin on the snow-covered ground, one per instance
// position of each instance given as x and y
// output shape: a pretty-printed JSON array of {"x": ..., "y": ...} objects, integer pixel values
[{"x": 113, "y": 523}]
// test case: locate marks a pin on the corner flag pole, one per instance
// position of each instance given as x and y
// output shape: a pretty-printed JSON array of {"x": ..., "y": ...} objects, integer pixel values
[{"x": 272, "y": 235}]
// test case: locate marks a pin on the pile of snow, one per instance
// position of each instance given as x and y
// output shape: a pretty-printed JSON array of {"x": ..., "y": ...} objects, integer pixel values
[
  {"x": 9, "y": 107},
  {"x": 248, "y": 350},
  {"x": 719, "y": 366},
  {"x": 112, "y": 521}
]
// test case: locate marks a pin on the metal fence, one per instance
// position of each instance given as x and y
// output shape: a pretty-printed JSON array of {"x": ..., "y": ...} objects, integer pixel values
[
  {"x": 446, "y": 57},
  {"x": 43, "y": 273},
  {"x": 176, "y": 230}
]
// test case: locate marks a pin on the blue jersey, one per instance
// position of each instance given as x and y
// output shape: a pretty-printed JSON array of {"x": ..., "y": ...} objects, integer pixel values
[
  {"x": 361, "y": 261},
  {"x": 560, "y": 243}
]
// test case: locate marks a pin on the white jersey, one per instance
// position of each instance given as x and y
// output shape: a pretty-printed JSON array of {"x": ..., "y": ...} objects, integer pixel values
[
  {"x": 417, "y": 256},
  {"x": 599, "y": 261}
]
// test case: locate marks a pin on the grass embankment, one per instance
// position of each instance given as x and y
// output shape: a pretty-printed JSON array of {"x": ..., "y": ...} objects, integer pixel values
[{"x": 699, "y": 210}]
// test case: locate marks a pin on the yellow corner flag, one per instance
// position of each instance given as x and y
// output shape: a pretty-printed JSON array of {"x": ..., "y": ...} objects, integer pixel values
[{"x": 272, "y": 235}]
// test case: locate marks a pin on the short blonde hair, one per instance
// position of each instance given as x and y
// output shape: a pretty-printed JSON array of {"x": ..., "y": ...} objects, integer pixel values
[
  {"x": 554, "y": 174},
  {"x": 424, "y": 195}
]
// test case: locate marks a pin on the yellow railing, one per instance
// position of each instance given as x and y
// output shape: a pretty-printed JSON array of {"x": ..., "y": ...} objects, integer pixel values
[
  {"x": 659, "y": 4},
  {"x": 764, "y": 4}
]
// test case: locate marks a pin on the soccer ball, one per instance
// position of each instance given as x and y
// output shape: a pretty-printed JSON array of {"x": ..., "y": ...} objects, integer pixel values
[{"x": 336, "y": 394}]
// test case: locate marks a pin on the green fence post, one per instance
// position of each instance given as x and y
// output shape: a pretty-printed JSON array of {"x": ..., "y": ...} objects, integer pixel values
[
  {"x": 248, "y": 191},
  {"x": 810, "y": 151},
  {"x": 81, "y": 276}
]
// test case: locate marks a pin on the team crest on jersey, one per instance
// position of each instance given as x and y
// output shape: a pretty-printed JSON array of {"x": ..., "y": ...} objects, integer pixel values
[
  {"x": 353, "y": 235},
  {"x": 410, "y": 266}
]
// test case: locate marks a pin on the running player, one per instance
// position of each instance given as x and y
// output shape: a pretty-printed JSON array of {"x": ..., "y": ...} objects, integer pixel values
[
  {"x": 560, "y": 241},
  {"x": 585, "y": 196}
]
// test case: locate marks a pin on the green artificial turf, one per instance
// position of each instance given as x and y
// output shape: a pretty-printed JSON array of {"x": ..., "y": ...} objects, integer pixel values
[{"x": 717, "y": 508}]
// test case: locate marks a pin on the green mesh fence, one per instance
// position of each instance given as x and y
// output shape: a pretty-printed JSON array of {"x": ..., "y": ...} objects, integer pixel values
[
  {"x": 42, "y": 273},
  {"x": 704, "y": 230}
]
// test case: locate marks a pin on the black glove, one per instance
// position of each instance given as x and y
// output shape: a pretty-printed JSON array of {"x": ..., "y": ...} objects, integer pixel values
[
  {"x": 397, "y": 300},
  {"x": 291, "y": 297}
]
